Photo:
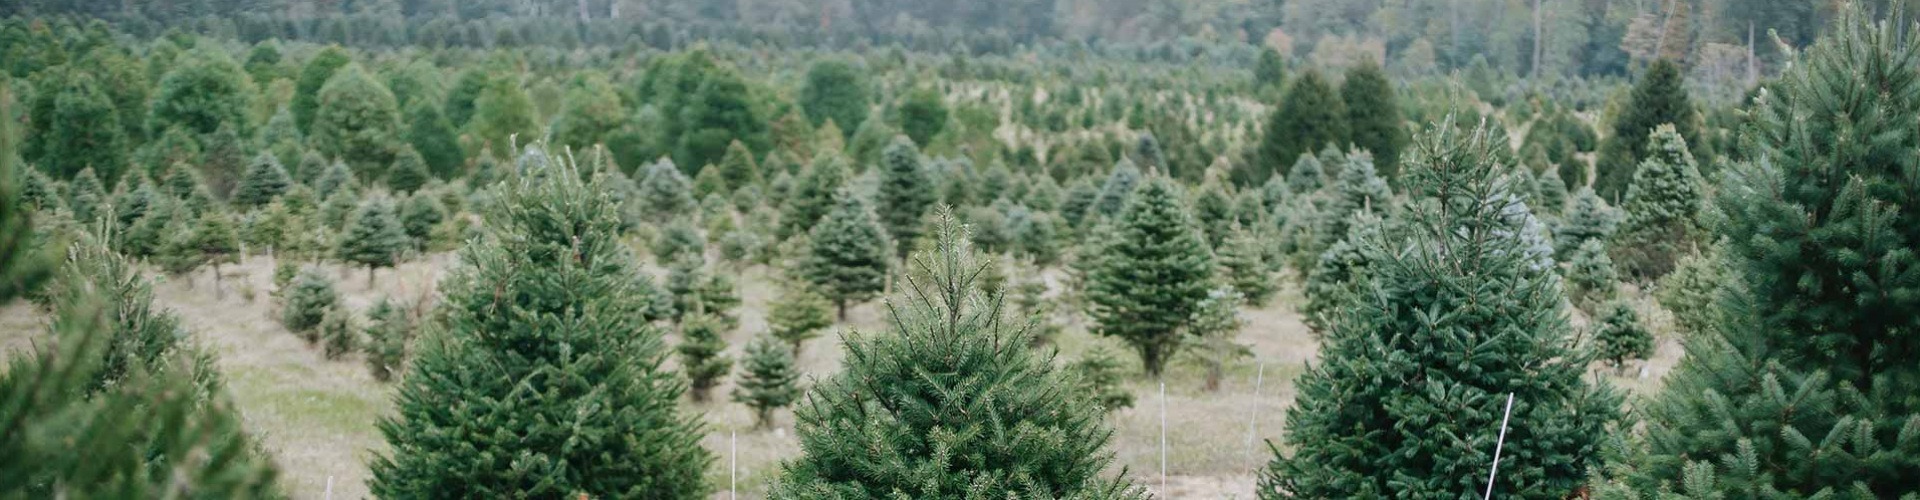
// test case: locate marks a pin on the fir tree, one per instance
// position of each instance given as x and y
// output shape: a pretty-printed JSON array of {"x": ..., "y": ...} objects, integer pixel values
[
  {"x": 375, "y": 237},
  {"x": 665, "y": 192},
  {"x": 1373, "y": 115},
  {"x": 1243, "y": 265},
  {"x": 834, "y": 90},
  {"x": 703, "y": 356},
  {"x": 847, "y": 254},
  {"x": 552, "y": 245},
  {"x": 88, "y": 199},
  {"x": 357, "y": 122},
  {"x": 905, "y": 194},
  {"x": 923, "y": 114},
  {"x": 313, "y": 76},
  {"x": 1081, "y": 197},
  {"x": 812, "y": 197},
  {"x": 337, "y": 177},
  {"x": 179, "y": 252},
  {"x": 408, "y": 172},
  {"x": 430, "y": 134},
  {"x": 419, "y": 216},
  {"x": 1553, "y": 193},
  {"x": 389, "y": 330},
  {"x": 1116, "y": 190},
  {"x": 591, "y": 113},
  {"x": 501, "y": 113},
  {"x": 1098, "y": 374},
  {"x": 1662, "y": 207},
  {"x": 1589, "y": 219},
  {"x": 338, "y": 334},
  {"x": 1590, "y": 276},
  {"x": 1306, "y": 175},
  {"x": 932, "y": 410},
  {"x": 770, "y": 380},
  {"x": 1338, "y": 270},
  {"x": 1660, "y": 97},
  {"x": 1372, "y": 413},
  {"x": 1311, "y": 116},
  {"x": 738, "y": 168},
  {"x": 1692, "y": 291},
  {"x": 1154, "y": 269},
  {"x": 798, "y": 315},
  {"x": 307, "y": 303},
  {"x": 265, "y": 181},
  {"x": 1216, "y": 321},
  {"x": 1270, "y": 71},
  {"x": 83, "y": 131},
  {"x": 217, "y": 242},
  {"x": 1619, "y": 336}
]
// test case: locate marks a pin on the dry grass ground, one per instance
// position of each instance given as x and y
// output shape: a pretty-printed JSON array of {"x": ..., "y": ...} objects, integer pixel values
[{"x": 317, "y": 416}]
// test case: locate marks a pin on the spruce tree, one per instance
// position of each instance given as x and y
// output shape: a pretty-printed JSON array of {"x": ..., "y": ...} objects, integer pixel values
[
  {"x": 1306, "y": 175},
  {"x": 336, "y": 178},
  {"x": 1098, "y": 375},
  {"x": 1115, "y": 191},
  {"x": 88, "y": 199},
  {"x": 836, "y": 91},
  {"x": 429, "y": 132},
  {"x": 1692, "y": 291},
  {"x": 665, "y": 192},
  {"x": 1391, "y": 411},
  {"x": 703, "y": 354},
  {"x": 847, "y": 254},
  {"x": 375, "y": 237},
  {"x": 905, "y": 194},
  {"x": 1662, "y": 208},
  {"x": 1243, "y": 265},
  {"x": 265, "y": 181},
  {"x": 1589, "y": 219},
  {"x": 357, "y": 122},
  {"x": 770, "y": 381},
  {"x": 388, "y": 331},
  {"x": 1310, "y": 117},
  {"x": 812, "y": 197},
  {"x": 408, "y": 172},
  {"x": 1618, "y": 335},
  {"x": 313, "y": 76},
  {"x": 552, "y": 249},
  {"x": 419, "y": 216},
  {"x": 798, "y": 315},
  {"x": 949, "y": 404},
  {"x": 1553, "y": 193},
  {"x": 1373, "y": 116},
  {"x": 1804, "y": 386},
  {"x": 1659, "y": 97},
  {"x": 1590, "y": 276},
  {"x": 307, "y": 303},
  {"x": 738, "y": 168},
  {"x": 1338, "y": 270},
  {"x": 1153, "y": 270}
]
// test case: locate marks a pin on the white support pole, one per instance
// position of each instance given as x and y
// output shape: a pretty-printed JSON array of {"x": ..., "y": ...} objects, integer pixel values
[
  {"x": 1253, "y": 415},
  {"x": 1497, "y": 446},
  {"x": 733, "y": 466},
  {"x": 329, "y": 494},
  {"x": 1163, "y": 438}
]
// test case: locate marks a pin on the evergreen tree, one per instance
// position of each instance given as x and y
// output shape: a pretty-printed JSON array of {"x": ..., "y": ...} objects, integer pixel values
[
  {"x": 665, "y": 192},
  {"x": 798, "y": 314},
  {"x": 834, "y": 90},
  {"x": 1391, "y": 411},
  {"x": 1590, "y": 276},
  {"x": 1692, "y": 291},
  {"x": 1153, "y": 270},
  {"x": 502, "y": 113},
  {"x": 933, "y": 410},
  {"x": 1803, "y": 387},
  {"x": 1660, "y": 97},
  {"x": 1097, "y": 374},
  {"x": 1306, "y": 175},
  {"x": 1373, "y": 116},
  {"x": 709, "y": 182},
  {"x": 430, "y": 134},
  {"x": 552, "y": 244},
  {"x": 313, "y": 76},
  {"x": 357, "y": 122},
  {"x": 1118, "y": 187},
  {"x": 337, "y": 177},
  {"x": 1269, "y": 71},
  {"x": 923, "y": 115},
  {"x": 847, "y": 254},
  {"x": 339, "y": 336},
  {"x": 737, "y": 167},
  {"x": 307, "y": 303},
  {"x": 388, "y": 332},
  {"x": 1338, "y": 270},
  {"x": 1359, "y": 188},
  {"x": 813, "y": 196},
  {"x": 179, "y": 252},
  {"x": 1588, "y": 219},
  {"x": 591, "y": 114},
  {"x": 770, "y": 382},
  {"x": 1662, "y": 208},
  {"x": 419, "y": 216},
  {"x": 265, "y": 181},
  {"x": 88, "y": 198},
  {"x": 217, "y": 242},
  {"x": 83, "y": 131},
  {"x": 703, "y": 354},
  {"x": 1619, "y": 335},
  {"x": 1081, "y": 197},
  {"x": 1311, "y": 116},
  {"x": 718, "y": 114},
  {"x": 409, "y": 170},
  {"x": 204, "y": 90},
  {"x": 1553, "y": 193},
  {"x": 375, "y": 237},
  {"x": 1216, "y": 321},
  {"x": 906, "y": 193},
  {"x": 1243, "y": 265}
]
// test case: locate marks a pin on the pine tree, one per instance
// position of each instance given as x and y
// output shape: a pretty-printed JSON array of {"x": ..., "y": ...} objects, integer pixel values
[
  {"x": 83, "y": 131},
  {"x": 834, "y": 91},
  {"x": 1590, "y": 276},
  {"x": 923, "y": 115},
  {"x": 665, "y": 192},
  {"x": 1373, "y": 115},
  {"x": 1216, "y": 321},
  {"x": 932, "y": 410},
  {"x": 1097, "y": 374},
  {"x": 703, "y": 356},
  {"x": 430, "y": 134},
  {"x": 338, "y": 334},
  {"x": 552, "y": 245},
  {"x": 798, "y": 315},
  {"x": 307, "y": 303},
  {"x": 204, "y": 90},
  {"x": 906, "y": 192},
  {"x": 847, "y": 254},
  {"x": 1310, "y": 117},
  {"x": 1118, "y": 187},
  {"x": 1619, "y": 336},
  {"x": 375, "y": 237},
  {"x": 1662, "y": 208},
  {"x": 1589, "y": 219},
  {"x": 357, "y": 122},
  {"x": 408, "y": 172},
  {"x": 389, "y": 330},
  {"x": 265, "y": 181},
  {"x": 1243, "y": 265},
  {"x": 1153, "y": 270},
  {"x": 1660, "y": 97},
  {"x": 1390, "y": 411},
  {"x": 1803, "y": 387},
  {"x": 812, "y": 197},
  {"x": 771, "y": 379},
  {"x": 313, "y": 76}
]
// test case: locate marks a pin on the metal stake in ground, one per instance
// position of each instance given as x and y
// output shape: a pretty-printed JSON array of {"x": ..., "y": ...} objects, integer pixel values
[
  {"x": 1163, "y": 437},
  {"x": 1497, "y": 445},
  {"x": 733, "y": 465}
]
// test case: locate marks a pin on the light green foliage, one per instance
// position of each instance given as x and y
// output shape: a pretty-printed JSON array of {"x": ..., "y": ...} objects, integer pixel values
[
  {"x": 703, "y": 357},
  {"x": 357, "y": 122},
  {"x": 339, "y": 335},
  {"x": 1590, "y": 276},
  {"x": 847, "y": 254},
  {"x": 1216, "y": 323},
  {"x": 203, "y": 91},
  {"x": 1154, "y": 268},
  {"x": 1692, "y": 291},
  {"x": 308, "y": 302},
  {"x": 1662, "y": 208},
  {"x": 798, "y": 314},
  {"x": 374, "y": 238},
  {"x": 265, "y": 180},
  {"x": 812, "y": 196},
  {"x": 769, "y": 380},
  {"x": 1618, "y": 335},
  {"x": 1589, "y": 219},
  {"x": 388, "y": 332}
]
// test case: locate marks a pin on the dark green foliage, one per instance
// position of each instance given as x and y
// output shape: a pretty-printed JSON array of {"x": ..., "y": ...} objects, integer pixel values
[
  {"x": 203, "y": 91},
  {"x": 409, "y": 170},
  {"x": 1619, "y": 336},
  {"x": 950, "y": 401},
  {"x": 307, "y": 303},
  {"x": 798, "y": 315},
  {"x": 847, "y": 254},
  {"x": 1553, "y": 193},
  {"x": 339, "y": 335},
  {"x": 1080, "y": 199},
  {"x": 179, "y": 253},
  {"x": 591, "y": 114},
  {"x": 1098, "y": 375},
  {"x": 88, "y": 199},
  {"x": 679, "y": 241},
  {"x": 1590, "y": 276},
  {"x": 1270, "y": 71},
  {"x": 1804, "y": 386},
  {"x": 1338, "y": 270},
  {"x": 906, "y": 192},
  {"x": 1154, "y": 268},
  {"x": 1692, "y": 291},
  {"x": 770, "y": 381},
  {"x": 265, "y": 181},
  {"x": 1662, "y": 208},
  {"x": 434, "y": 138},
  {"x": 1311, "y": 117},
  {"x": 835, "y": 90},
  {"x": 419, "y": 216},
  {"x": 1243, "y": 265},
  {"x": 358, "y": 122},
  {"x": 313, "y": 76},
  {"x": 738, "y": 169},
  {"x": 665, "y": 192},
  {"x": 1589, "y": 219},
  {"x": 703, "y": 356},
  {"x": 1660, "y": 97},
  {"x": 22, "y": 266},
  {"x": 336, "y": 178},
  {"x": 1373, "y": 116},
  {"x": 1306, "y": 175},
  {"x": 548, "y": 271},
  {"x": 83, "y": 131},
  {"x": 389, "y": 330},
  {"x": 813, "y": 195},
  {"x": 1115, "y": 192},
  {"x": 375, "y": 236},
  {"x": 718, "y": 115},
  {"x": 923, "y": 115},
  {"x": 1406, "y": 400},
  {"x": 502, "y": 113}
]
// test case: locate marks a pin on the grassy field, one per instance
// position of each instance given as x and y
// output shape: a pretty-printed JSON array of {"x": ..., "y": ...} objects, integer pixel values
[{"x": 318, "y": 416}]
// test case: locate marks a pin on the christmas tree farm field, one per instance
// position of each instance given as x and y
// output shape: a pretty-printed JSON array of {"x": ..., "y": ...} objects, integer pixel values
[{"x": 317, "y": 416}]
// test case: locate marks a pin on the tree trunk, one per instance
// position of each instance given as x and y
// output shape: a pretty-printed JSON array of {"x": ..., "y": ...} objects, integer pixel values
[
  {"x": 1150, "y": 360},
  {"x": 1215, "y": 372},
  {"x": 370, "y": 269},
  {"x": 842, "y": 305},
  {"x": 219, "y": 293}
]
